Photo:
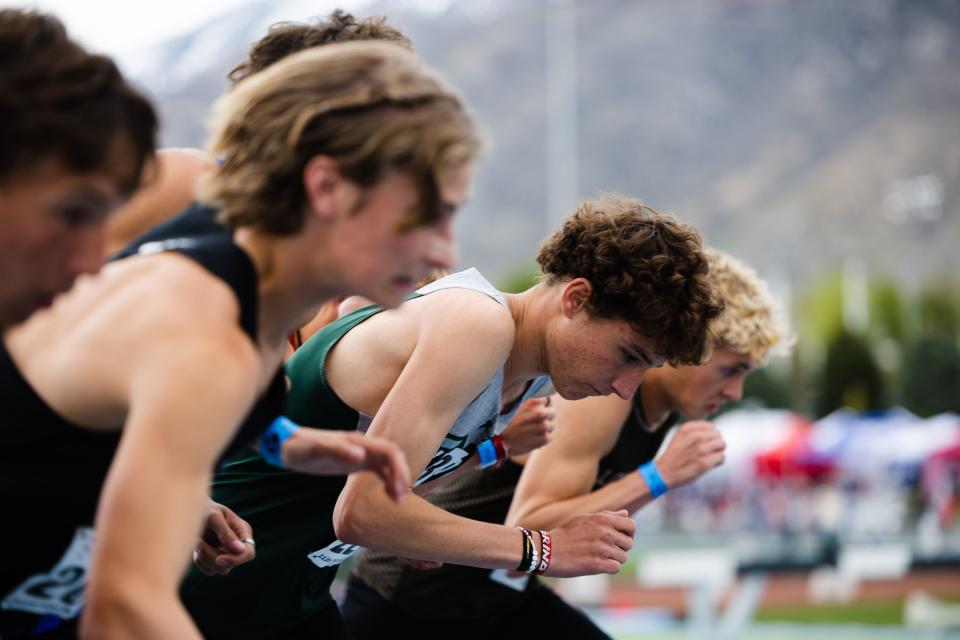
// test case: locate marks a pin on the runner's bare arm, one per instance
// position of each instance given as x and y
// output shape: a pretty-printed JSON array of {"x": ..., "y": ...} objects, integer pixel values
[
  {"x": 588, "y": 544},
  {"x": 324, "y": 452},
  {"x": 556, "y": 480},
  {"x": 449, "y": 365},
  {"x": 154, "y": 495},
  {"x": 546, "y": 497}
]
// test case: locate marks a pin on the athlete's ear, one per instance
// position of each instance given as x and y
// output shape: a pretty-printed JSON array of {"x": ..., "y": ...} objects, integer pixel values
[
  {"x": 325, "y": 187},
  {"x": 574, "y": 296}
]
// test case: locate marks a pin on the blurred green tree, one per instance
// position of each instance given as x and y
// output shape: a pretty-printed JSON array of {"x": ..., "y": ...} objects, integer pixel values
[
  {"x": 939, "y": 312},
  {"x": 520, "y": 278},
  {"x": 769, "y": 389},
  {"x": 820, "y": 312},
  {"x": 849, "y": 377},
  {"x": 931, "y": 376},
  {"x": 887, "y": 311}
]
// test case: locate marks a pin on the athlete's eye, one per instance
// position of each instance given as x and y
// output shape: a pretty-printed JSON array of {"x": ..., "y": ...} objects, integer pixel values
[{"x": 78, "y": 215}]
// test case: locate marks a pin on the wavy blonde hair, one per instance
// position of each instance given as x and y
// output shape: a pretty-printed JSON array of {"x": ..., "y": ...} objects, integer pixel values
[
  {"x": 752, "y": 322},
  {"x": 372, "y": 107}
]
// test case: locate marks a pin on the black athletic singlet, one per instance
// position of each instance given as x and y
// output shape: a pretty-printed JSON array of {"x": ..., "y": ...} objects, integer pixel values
[{"x": 51, "y": 470}]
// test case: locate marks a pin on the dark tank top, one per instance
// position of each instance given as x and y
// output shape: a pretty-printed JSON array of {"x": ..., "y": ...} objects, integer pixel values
[
  {"x": 52, "y": 470},
  {"x": 460, "y": 593}
]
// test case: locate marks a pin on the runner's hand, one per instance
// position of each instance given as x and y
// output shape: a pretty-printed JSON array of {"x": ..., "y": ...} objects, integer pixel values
[
  {"x": 227, "y": 541},
  {"x": 589, "y": 544},
  {"x": 331, "y": 453},
  {"x": 530, "y": 428},
  {"x": 696, "y": 448}
]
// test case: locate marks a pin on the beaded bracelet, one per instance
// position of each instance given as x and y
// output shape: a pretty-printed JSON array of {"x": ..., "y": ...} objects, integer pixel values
[
  {"x": 534, "y": 554},
  {"x": 529, "y": 551},
  {"x": 546, "y": 552},
  {"x": 525, "y": 558}
]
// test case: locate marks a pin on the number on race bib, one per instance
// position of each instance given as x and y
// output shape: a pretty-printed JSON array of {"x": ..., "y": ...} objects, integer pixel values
[
  {"x": 517, "y": 583},
  {"x": 333, "y": 554},
  {"x": 59, "y": 592}
]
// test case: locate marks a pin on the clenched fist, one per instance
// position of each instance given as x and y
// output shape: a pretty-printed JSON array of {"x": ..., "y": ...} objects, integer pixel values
[
  {"x": 530, "y": 428},
  {"x": 589, "y": 544},
  {"x": 696, "y": 448}
]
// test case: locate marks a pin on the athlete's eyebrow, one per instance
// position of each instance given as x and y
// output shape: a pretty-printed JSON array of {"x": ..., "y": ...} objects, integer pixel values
[
  {"x": 89, "y": 196},
  {"x": 448, "y": 208},
  {"x": 643, "y": 355}
]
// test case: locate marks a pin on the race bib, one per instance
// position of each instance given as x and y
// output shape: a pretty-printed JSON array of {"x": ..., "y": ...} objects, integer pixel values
[
  {"x": 518, "y": 583},
  {"x": 333, "y": 554},
  {"x": 60, "y": 592}
]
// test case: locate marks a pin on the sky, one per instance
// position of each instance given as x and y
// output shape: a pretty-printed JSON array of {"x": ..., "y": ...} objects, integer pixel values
[
  {"x": 122, "y": 27},
  {"x": 127, "y": 27},
  {"x": 117, "y": 28}
]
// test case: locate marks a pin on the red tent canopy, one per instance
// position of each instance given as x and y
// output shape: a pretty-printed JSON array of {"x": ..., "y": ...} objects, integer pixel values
[{"x": 793, "y": 456}]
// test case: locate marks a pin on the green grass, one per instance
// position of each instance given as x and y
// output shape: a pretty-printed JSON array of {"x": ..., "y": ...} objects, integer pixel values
[
  {"x": 815, "y": 633},
  {"x": 889, "y": 612}
]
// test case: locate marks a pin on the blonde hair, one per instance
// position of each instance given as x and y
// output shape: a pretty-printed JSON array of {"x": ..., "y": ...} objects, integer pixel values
[
  {"x": 751, "y": 322},
  {"x": 370, "y": 106}
]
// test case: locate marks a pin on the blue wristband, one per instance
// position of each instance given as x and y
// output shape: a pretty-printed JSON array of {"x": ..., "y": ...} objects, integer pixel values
[
  {"x": 653, "y": 478},
  {"x": 273, "y": 438},
  {"x": 487, "y": 453}
]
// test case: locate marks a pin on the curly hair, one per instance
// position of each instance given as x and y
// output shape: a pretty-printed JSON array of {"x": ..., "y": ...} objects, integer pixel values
[
  {"x": 58, "y": 101},
  {"x": 644, "y": 267},
  {"x": 286, "y": 38},
  {"x": 751, "y": 322},
  {"x": 370, "y": 106}
]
